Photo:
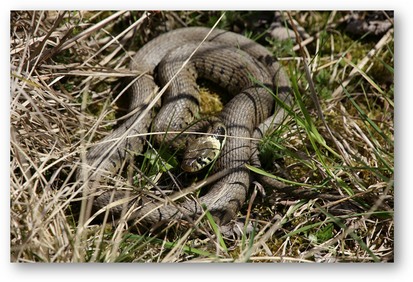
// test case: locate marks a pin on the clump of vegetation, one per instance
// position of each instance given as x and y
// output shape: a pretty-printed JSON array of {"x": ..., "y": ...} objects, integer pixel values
[{"x": 66, "y": 78}]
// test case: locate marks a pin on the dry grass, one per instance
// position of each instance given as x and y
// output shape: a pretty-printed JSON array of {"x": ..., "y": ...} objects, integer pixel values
[{"x": 66, "y": 70}]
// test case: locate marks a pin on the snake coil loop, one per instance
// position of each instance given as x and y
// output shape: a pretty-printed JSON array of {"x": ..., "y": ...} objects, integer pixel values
[{"x": 233, "y": 61}]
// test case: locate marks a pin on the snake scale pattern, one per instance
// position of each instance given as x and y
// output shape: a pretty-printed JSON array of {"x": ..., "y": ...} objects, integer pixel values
[{"x": 238, "y": 64}]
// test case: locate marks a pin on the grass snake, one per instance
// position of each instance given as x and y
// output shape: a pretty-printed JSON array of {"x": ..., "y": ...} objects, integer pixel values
[{"x": 243, "y": 67}]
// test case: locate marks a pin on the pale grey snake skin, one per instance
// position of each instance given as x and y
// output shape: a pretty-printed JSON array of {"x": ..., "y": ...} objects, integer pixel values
[{"x": 231, "y": 60}]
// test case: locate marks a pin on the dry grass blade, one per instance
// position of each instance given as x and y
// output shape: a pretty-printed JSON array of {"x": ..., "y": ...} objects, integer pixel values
[
  {"x": 69, "y": 43},
  {"x": 356, "y": 69}
]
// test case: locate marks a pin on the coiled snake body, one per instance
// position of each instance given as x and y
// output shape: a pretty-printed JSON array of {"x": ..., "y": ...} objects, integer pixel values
[{"x": 231, "y": 60}]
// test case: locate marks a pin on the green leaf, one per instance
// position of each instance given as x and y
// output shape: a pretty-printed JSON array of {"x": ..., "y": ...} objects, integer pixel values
[
  {"x": 325, "y": 233},
  {"x": 161, "y": 161}
]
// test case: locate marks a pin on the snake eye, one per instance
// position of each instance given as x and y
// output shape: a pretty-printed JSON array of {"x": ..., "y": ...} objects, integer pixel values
[{"x": 201, "y": 162}]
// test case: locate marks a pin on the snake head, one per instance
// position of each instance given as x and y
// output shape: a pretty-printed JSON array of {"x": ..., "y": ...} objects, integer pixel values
[{"x": 200, "y": 153}]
